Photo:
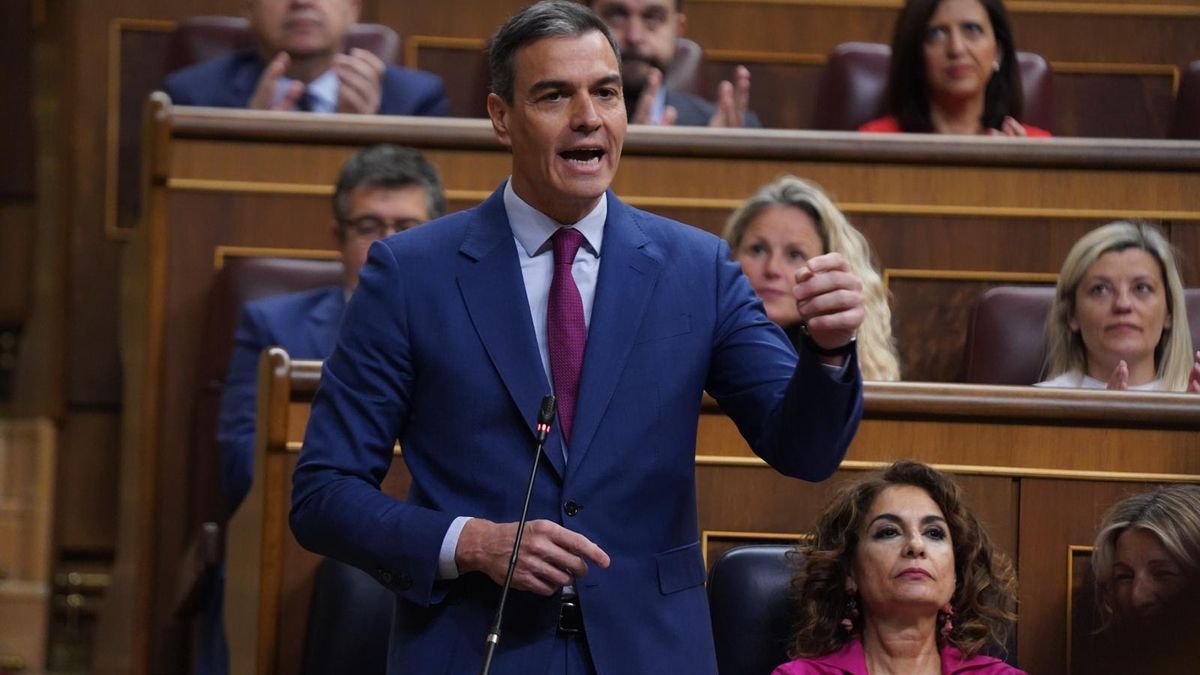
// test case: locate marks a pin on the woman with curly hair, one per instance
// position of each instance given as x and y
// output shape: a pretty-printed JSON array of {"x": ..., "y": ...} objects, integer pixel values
[
  {"x": 901, "y": 578},
  {"x": 782, "y": 225}
]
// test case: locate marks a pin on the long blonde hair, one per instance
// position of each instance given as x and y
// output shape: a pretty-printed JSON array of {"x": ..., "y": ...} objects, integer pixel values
[
  {"x": 1065, "y": 351},
  {"x": 876, "y": 346}
]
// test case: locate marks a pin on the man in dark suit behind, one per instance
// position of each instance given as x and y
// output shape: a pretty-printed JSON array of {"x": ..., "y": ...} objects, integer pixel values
[
  {"x": 458, "y": 329},
  {"x": 380, "y": 190},
  {"x": 301, "y": 64},
  {"x": 646, "y": 31}
]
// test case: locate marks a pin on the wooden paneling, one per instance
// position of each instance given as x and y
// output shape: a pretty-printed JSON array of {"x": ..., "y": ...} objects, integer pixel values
[
  {"x": 87, "y": 504},
  {"x": 262, "y": 179},
  {"x": 1007, "y": 447},
  {"x": 1113, "y": 105},
  {"x": 27, "y": 458},
  {"x": 16, "y": 116},
  {"x": 457, "y": 18}
]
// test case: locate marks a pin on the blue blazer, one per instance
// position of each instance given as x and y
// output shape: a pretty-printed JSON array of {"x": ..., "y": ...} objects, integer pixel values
[
  {"x": 437, "y": 349},
  {"x": 228, "y": 81},
  {"x": 694, "y": 111},
  {"x": 305, "y": 324}
]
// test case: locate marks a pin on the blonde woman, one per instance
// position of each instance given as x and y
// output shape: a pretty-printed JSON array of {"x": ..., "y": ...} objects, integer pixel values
[
  {"x": 1119, "y": 319},
  {"x": 785, "y": 223}
]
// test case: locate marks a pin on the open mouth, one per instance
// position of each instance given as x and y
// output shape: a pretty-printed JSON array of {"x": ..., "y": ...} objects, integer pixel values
[{"x": 583, "y": 156}]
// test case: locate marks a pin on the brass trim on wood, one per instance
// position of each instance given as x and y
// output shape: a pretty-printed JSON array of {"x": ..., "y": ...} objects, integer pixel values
[
  {"x": 1072, "y": 551},
  {"x": 1015, "y": 7},
  {"x": 414, "y": 43},
  {"x": 707, "y": 536},
  {"x": 247, "y": 186},
  {"x": 976, "y": 470},
  {"x": 1147, "y": 69},
  {"x": 223, "y": 251},
  {"x": 112, "y": 127},
  {"x": 969, "y": 275},
  {"x": 754, "y": 56}
]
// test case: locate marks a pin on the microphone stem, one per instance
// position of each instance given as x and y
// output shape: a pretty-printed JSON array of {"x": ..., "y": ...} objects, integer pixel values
[{"x": 493, "y": 636}]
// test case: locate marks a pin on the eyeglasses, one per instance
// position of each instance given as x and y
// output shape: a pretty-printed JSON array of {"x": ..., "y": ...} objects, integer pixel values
[{"x": 373, "y": 227}]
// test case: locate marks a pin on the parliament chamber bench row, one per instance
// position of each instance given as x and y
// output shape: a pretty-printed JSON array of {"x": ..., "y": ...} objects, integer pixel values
[
  {"x": 948, "y": 218},
  {"x": 1039, "y": 467},
  {"x": 1152, "y": 92}
]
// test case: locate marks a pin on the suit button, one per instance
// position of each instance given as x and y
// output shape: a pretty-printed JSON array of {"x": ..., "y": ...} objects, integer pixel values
[
  {"x": 571, "y": 508},
  {"x": 404, "y": 581},
  {"x": 385, "y": 576}
]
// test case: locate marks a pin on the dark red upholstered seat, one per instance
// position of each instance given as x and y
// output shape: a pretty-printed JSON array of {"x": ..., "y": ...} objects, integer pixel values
[
  {"x": 202, "y": 38},
  {"x": 1006, "y": 333},
  {"x": 1186, "y": 123}
]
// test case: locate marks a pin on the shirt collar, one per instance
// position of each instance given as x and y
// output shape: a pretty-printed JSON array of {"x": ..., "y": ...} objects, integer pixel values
[
  {"x": 533, "y": 229},
  {"x": 323, "y": 89}
]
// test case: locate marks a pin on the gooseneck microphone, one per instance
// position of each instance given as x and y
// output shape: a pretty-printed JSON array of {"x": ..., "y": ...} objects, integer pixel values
[{"x": 544, "y": 419}]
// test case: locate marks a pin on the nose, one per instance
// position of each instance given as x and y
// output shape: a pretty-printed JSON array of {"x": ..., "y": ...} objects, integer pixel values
[
  {"x": 915, "y": 546},
  {"x": 635, "y": 31},
  {"x": 584, "y": 116},
  {"x": 1144, "y": 595},
  {"x": 1122, "y": 300},
  {"x": 777, "y": 266},
  {"x": 954, "y": 41}
]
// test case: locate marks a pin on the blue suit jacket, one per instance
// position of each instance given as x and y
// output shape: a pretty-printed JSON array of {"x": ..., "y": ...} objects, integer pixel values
[
  {"x": 437, "y": 349},
  {"x": 228, "y": 81},
  {"x": 305, "y": 324},
  {"x": 694, "y": 111}
]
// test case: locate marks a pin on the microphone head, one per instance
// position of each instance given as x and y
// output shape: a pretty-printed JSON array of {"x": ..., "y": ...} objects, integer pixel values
[{"x": 546, "y": 414}]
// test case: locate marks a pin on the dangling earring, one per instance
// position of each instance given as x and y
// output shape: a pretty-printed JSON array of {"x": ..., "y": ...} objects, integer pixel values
[
  {"x": 996, "y": 66},
  {"x": 850, "y": 615},
  {"x": 947, "y": 614}
]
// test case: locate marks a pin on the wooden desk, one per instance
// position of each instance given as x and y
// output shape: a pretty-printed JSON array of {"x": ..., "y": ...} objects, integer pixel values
[
  {"x": 947, "y": 217},
  {"x": 1039, "y": 467}
]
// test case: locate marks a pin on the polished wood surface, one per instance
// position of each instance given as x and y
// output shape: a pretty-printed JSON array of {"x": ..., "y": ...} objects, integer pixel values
[{"x": 1039, "y": 468}]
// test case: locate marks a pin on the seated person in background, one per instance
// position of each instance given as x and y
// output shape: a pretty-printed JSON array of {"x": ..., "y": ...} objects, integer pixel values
[
  {"x": 1147, "y": 568},
  {"x": 645, "y": 31},
  {"x": 954, "y": 70},
  {"x": 901, "y": 578},
  {"x": 381, "y": 190},
  {"x": 301, "y": 63},
  {"x": 1119, "y": 319},
  {"x": 780, "y": 227}
]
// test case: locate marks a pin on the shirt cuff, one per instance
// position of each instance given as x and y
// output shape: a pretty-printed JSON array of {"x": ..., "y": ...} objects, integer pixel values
[{"x": 447, "y": 567}]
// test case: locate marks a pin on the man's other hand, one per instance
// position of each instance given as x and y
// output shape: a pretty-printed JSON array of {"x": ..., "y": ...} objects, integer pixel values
[{"x": 551, "y": 555}]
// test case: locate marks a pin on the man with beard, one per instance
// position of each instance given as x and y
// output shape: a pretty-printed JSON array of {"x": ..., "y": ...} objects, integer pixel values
[
  {"x": 646, "y": 31},
  {"x": 301, "y": 63}
]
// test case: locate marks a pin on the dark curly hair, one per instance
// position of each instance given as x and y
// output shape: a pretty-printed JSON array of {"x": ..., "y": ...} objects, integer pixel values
[{"x": 984, "y": 599}]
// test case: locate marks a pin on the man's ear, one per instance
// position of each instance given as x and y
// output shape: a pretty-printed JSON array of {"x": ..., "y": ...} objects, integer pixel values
[
  {"x": 498, "y": 112},
  {"x": 355, "y": 10},
  {"x": 680, "y": 24}
]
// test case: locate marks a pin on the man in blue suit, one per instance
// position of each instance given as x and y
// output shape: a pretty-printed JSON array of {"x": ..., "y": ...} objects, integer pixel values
[
  {"x": 381, "y": 190},
  {"x": 457, "y": 330},
  {"x": 301, "y": 63}
]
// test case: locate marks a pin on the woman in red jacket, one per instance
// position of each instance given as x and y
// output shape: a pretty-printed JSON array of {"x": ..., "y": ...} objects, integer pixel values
[{"x": 954, "y": 71}]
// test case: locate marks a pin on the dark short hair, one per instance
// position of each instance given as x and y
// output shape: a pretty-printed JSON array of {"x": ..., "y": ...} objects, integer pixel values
[
  {"x": 907, "y": 89},
  {"x": 554, "y": 18},
  {"x": 388, "y": 166},
  {"x": 678, "y": 4},
  {"x": 984, "y": 599}
]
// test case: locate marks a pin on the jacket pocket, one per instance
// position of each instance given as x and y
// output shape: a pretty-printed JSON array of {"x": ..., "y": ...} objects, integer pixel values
[{"x": 680, "y": 568}]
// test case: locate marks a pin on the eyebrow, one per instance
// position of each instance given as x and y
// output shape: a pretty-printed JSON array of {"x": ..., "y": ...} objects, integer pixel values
[
  {"x": 893, "y": 518},
  {"x": 542, "y": 85}
]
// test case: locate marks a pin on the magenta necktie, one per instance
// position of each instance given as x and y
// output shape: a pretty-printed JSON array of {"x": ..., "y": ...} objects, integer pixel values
[{"x": 566, "y": 333}]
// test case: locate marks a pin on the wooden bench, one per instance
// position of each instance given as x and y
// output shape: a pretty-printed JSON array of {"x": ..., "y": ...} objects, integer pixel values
[{"x": 1038, "y": 466}]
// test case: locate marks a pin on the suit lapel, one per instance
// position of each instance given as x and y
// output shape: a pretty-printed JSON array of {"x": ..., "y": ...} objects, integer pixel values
[
  {"x": 494, "y": 293},
  {"x": 245, "y": 77},
  {"x": 324, "y": 320},
  {"x": 628, "y": 272}
]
